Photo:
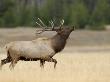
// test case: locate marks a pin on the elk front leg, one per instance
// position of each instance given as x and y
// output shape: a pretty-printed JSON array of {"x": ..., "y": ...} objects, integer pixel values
[
  {"x": 42, "y": 62},
  {"x": 53, "y": 60},
  {"x": 13, "y": 63}
]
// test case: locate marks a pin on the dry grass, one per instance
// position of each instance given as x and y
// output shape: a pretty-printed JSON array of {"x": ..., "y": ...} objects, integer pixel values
[
  {"x": 83, "y": 62},
  {"x": 71, "y": 67}
]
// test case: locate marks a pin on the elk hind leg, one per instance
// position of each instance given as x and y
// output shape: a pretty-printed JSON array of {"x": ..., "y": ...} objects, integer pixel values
[{"x": 4, "y": 61}]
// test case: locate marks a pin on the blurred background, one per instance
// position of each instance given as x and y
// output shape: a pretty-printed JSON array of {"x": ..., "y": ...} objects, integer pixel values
[{"x": 84, "y": 14}]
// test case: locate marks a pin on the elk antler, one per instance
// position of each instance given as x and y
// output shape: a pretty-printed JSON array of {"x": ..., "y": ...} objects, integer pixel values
[
  {"x": 44, "y": 27},
  {"x": 41, "y": 24},
  {"x": 62, "y": 22},
  {"x": 42, "y": 30}
]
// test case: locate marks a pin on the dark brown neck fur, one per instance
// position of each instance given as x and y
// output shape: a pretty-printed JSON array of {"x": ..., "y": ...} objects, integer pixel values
[
  {"x": 59, "y": 40},
  {"x": 58, "y": 43}
]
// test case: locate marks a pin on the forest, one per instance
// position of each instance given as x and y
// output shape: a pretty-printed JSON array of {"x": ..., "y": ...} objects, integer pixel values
[{"x": 84, "y": 14}]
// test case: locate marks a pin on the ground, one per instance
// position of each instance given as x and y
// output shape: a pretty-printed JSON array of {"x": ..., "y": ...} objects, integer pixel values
[{"x": 86, "y": 58}]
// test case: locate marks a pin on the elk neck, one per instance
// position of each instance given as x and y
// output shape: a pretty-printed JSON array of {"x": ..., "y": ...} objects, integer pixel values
[{"x": 58, "y": 42}]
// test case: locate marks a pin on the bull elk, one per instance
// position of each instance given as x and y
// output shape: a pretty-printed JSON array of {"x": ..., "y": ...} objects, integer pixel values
[{"x": 42, "y": 49}]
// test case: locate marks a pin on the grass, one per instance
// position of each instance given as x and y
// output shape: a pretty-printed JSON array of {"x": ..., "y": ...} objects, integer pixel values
[
  {"x": 71, "y": 67},
  {"x": 86, "y": 58}
]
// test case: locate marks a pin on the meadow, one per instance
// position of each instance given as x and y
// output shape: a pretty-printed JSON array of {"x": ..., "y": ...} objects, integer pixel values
[{"x": 86, "y": 58}]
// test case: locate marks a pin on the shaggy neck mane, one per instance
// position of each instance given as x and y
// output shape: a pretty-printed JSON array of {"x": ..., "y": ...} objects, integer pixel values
[{"x": 58, "y": 43}]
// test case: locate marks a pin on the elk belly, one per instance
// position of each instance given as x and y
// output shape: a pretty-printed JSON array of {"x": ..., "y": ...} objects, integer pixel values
[
  {"x": 36, "y": 51},
  {"x": 28, "y": 49}
]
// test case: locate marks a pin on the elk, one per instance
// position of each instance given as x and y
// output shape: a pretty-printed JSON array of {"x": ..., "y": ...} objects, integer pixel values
[{"x": 42, "y": 49}]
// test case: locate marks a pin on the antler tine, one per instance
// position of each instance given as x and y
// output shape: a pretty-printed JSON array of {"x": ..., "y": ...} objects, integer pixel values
[
  {"x": 39, "y": 24},
  {"x": 43, "y": 25},
  {"x": 42, "y": 22},
  {"x": 41, "y": 31},
  {"x": 44, "y": 29},
  {"x": 62, "y": 22},
  {"x": 52, "y": 24}
]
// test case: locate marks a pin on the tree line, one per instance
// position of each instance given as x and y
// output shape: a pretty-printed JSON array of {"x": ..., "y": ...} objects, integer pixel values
[{"x": 90, "y": 14}]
